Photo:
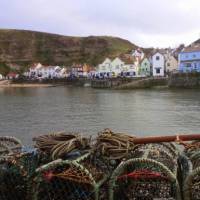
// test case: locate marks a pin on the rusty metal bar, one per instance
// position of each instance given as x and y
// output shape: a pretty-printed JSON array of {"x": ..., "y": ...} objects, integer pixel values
[{"x": 170, "y": 138}]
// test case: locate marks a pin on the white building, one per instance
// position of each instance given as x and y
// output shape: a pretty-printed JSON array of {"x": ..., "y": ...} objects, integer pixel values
[
  {"x": 105, "y": 66},
  {"x": 130, "y": 70},
  {"x": 130, "y": 67},
  {"x": 40, "y": 71},
  {"x": 1, "y": 77},
  {"x": 158, "y": 64},
  {"x": 110, "y": 68},
  {"x": 116, "y": 66}
]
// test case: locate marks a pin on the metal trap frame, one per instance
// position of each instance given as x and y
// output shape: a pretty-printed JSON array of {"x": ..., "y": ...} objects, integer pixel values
[
  {"x": 191, "y": 188},
  {"x": 71, "y": 180},
  {"x": 151, "y": 174},
  {"x": 14, "y": 175}
]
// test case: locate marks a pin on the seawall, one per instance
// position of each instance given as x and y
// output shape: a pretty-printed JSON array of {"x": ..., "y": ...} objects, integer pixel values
[{"x": 184, "y": 80}]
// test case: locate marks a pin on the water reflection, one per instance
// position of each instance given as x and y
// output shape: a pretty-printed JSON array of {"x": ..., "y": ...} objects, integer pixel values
[{"x": 26, "y": 112}]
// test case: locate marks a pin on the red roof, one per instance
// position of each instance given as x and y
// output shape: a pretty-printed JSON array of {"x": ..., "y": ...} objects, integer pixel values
[{"x": 12, "y": 74}]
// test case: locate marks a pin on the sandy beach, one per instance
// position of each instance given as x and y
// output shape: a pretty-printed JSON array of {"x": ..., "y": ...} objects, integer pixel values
[{"x": 9, "y": 84}]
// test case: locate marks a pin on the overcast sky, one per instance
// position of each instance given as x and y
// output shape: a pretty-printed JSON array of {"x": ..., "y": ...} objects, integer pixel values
[{"x": 157, "y": 23}]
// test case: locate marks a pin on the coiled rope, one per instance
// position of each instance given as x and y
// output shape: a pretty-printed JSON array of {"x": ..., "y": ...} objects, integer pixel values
[{"x": 57, "y": 145}]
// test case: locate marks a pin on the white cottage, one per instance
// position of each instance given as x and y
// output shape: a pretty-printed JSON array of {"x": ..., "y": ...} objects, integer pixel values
[
  {"x": 158, "y": 64},
  {"x": 116, "y": 66},
  {"x": 105, "y": 66},
  {"x": 130, "y": 67}
]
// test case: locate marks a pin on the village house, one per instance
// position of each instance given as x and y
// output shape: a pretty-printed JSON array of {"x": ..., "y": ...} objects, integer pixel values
[
  {"x": 77, "y": 70},
  {"x": 171, "y": 64},
  {"x": 189, "y": 59},
  {"x": 116, "y": 66},
  {"x": 86, "y": 70},
  {"x": 105, "y": 67},
  {"x": 1, "y": 77},
  {"x": 130, "y": 68},
  {"x": 34, "y": 71},
  {"x": 110, "y": 68},
  {"x": 158, "y": 64},
  {"x": 65, "y": 72},
  {"x": 144, "y": 67},
  {"x": 12, "y": 75},
  {"x": 43, "y": 72},
  {"x": 138, "y": 54}
]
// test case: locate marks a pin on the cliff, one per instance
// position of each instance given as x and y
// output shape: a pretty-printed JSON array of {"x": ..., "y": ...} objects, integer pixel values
[{"x": 25, "y": 47}]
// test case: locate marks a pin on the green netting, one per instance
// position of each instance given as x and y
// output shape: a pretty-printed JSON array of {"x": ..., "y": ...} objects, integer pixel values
[
  {"x": 160, "y": 152},
  {"x": 191, "y": 187},
  {"x": 59, "y": 180},
  {"x": 143, "y": 179},
  {"x": 151, "y": 174},
  {"x": 14, "y": 176}
]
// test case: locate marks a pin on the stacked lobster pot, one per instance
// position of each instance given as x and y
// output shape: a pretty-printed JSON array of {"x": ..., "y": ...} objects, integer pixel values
[
  {"x": 74, "y": 173},
  {"x": 150, "y": 174},
  {"x": 111, "y": 148},
  {"x": 69, "y": 179},
  {"x": 191, "y": 187},
  {"x": 15, "y": 168}
]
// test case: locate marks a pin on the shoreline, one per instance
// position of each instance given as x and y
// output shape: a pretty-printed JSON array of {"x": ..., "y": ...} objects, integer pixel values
[{"x": 26, "y": 85}]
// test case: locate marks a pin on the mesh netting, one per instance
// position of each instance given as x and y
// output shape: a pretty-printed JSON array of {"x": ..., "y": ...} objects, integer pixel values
[
  {"x": 192, "y": 181},
  {"x": 14, "y": 174},
  {"x": 162, "y": 153},
  {"x": 150, "y": 175},
  {"x": 66, "y": 182},
  {"x": 9, "y": 145},
  {"x": 143, "y": 179},
  {"x": 192, "y": 185},
  {"x": 69, "y": 180}
]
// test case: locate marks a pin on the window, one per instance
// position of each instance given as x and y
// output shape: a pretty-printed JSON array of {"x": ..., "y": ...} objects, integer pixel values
[
  {"x": 157, "y": 71},
  {"x": 145, "y": 64},
  {"x": 188, "y": 65},
  {"x": 194, "y": 55},
  {"x": 168, "y": 64},
  {"x": 157, "y": 57}
]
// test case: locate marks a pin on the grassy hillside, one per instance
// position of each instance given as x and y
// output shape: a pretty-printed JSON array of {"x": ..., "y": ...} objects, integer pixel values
[{"x": 25, "y": 47}]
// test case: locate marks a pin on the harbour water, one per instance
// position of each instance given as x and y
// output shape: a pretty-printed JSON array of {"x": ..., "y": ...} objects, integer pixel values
[{"x": 28, "y": 112}]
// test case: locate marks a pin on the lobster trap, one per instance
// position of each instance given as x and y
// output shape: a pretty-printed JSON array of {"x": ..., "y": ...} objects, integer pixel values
[
  {"x": 165, "y": 153},
  {"x": 9, "y": 145},
  {"x": 14, "y": 176},
  {"x": 191, "y": 187},
  {"x": 151, "y": 174},
  {"x": 79, "y": 179}
]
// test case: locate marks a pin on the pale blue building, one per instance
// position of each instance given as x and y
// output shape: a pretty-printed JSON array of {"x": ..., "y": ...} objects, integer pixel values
[{"x": 189, "y": 59}]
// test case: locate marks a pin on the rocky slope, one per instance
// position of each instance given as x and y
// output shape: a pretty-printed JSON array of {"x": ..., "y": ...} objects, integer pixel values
[{"x": 25, "y": 47}]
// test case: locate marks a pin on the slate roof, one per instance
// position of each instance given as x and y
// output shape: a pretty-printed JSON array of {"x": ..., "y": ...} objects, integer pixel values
[{"x": 191, "y": 48}]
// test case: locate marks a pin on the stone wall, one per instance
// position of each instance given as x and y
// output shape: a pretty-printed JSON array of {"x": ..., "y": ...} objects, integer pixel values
[{"x": 184, "y": 80}]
